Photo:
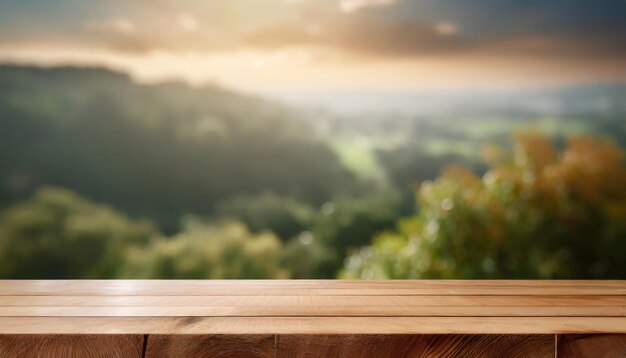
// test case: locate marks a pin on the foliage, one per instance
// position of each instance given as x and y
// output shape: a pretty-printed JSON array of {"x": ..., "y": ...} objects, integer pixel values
[
  {"x": 157, "y": 151},
  {"x": 257, "y": 171},
  {"x": 409, "y": 165},
  {"x": 284, "y": 216},
  {"x": 57, "y": 234},
  {"x": 208, "y": 251},
  {"x": 536, "y": 213},
  {"x": 346, "y": 224},
  {"x": 306, "y": 257}
]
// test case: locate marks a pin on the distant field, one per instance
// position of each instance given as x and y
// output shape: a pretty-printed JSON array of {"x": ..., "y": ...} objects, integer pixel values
[{"x": 358, "y": 156}]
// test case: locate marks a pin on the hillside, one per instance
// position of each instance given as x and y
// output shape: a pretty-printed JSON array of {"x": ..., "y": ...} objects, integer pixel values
[{"x": 157, "y": 151}]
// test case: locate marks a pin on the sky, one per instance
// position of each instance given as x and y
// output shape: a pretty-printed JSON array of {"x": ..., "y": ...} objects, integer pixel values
[{"x": 327, "y": 45}]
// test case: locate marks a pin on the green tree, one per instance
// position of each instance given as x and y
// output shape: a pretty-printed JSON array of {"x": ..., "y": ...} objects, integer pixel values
[
  {"x": 536, "y": 213},
  {"x": 348, "y": 223},
  {"x": 208, "y": 251},
  {"x": 284, "y": 216},
  {"x": 306, "y": 257},
  {"x": 157, "y": 151},
  {"x": 57, "y": 234}
]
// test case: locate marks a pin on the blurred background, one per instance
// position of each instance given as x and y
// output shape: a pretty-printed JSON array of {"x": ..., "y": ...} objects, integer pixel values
[{"x": 313, "y": 139}]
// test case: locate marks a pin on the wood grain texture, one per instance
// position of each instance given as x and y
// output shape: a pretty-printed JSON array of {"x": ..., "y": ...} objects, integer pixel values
[
  {"x": 311, "y": 307},
  {"x": 311, "y": 325},
  {"x": 592, "y": 345},
  {"x": 310, "y": 311},
  {"x": 70, "y": 346},
  {"x": 406, "y": 346},
  {"x": 316, "y": 300},
  {"x": 217, "y": 346},
  {"x": 307, "y": 287}
]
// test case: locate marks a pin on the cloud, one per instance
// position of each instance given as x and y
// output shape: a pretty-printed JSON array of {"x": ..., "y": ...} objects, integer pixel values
[
  {"x": 120, "y": 25},
  {"x": 350, "y": 6},
  {"x": 388, "y": 29},
  {"x": 364, "y": 37},
  {"x": 375, "y": 37},
  {"x": 187, "y": 22},
  {"x": 361, "y": 36},
  {"x": 446, "y": 28},
  {"x": 286, "y": 35},
  {"x": 176, "y": 33}
]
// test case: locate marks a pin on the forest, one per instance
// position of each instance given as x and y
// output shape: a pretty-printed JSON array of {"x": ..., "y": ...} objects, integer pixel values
[{"x": 103, "y": 177}]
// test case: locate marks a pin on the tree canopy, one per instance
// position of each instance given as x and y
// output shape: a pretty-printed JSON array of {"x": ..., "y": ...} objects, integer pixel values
[
  {"x": 208, "y": 251},
  {"x": 57, "y": 234},
  {"x": 538, "y": 212}
]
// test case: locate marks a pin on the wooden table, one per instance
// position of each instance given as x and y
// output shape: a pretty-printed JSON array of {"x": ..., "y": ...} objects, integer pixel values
[{"x": 126, "y": 318}]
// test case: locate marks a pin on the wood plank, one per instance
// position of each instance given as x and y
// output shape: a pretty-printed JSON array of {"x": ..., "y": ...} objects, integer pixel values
[
  {"x": 310, "y": 307},
  {"x": 326, "y": 301},
  {"x": 592, "y": 345},
  {"x": 307, "y": 287},
  {"x": 406, "y": 346},
  {"x": 309, "y": 311},
  {"x": 101, "y": 346},
  {"x": 201, "y": 346},
  {"x": 311, "y": 325}
]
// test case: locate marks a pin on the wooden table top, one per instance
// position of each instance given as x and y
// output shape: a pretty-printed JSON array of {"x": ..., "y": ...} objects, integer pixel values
[{"x": 311, "y": 307}]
